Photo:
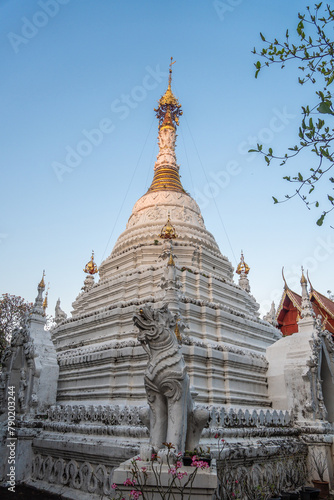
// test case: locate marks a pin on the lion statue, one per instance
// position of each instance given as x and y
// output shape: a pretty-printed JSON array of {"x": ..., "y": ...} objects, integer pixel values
[{"x": 172, "y": 416}]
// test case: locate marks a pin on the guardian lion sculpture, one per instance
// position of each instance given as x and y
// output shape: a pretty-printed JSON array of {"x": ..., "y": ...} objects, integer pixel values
[{"x": 167, "y": 384}]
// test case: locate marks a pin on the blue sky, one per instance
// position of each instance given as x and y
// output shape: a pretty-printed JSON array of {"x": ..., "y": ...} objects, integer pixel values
[{"x": 71, "y": 67}]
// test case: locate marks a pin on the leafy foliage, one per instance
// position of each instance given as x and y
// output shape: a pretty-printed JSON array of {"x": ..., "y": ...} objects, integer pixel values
[
  {"x": 12, "y": 313},
  {"x": 312, "y": 51}
]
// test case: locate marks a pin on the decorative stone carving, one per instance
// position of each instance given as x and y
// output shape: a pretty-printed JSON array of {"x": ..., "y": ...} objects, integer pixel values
[
  {"x": 279, "y": 465},
  {"x": 167, "y": 382},
  {"x": 30, "y": 363},
  {"x": 88, "y": 283},
  {"x": 271, "y": 315},
  {"x": 60, "y": 315},
  {"x": 81, "y": 476}
]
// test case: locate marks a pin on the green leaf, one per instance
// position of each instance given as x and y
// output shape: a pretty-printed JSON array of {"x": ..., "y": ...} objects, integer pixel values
[
  {"x": 325, "y": 108},
  {"x": 262, "y": 37},
  {"x": 330, "y": 79},
  {"x": 321, "y": 220},
  {"x": 275, "y": 199}
]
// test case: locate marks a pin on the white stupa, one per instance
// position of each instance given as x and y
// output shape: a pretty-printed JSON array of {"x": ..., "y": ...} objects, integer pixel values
[{"x": 100, "y": 359}]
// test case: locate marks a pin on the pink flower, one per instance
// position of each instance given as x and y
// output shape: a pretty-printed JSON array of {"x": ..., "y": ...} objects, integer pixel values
[
  {"x": 200, "y": 464},
  {"x": 172, "y": 471},
  {"x": 180, "y": 475},
  {"x": 114, "y": 486},
  {"x": 178, "y": 464},
  {"x": 128, "y": 482},
  {"x": 135, "y": 494},
  {"x": 139, "y": 459},
  {"x": 144, "y": 469},
  {"x": 216, "y": 436}
]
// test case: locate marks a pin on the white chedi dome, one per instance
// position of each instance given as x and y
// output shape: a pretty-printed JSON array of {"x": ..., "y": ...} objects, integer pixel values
[{"x": 150, "y": 213}]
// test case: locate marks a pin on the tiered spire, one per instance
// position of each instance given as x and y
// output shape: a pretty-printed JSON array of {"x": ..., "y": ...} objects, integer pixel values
[
  {"x": 90, "y": 269},
  {"x": 166, "y": 171},
  {"x": 38, "y": 311},
  {"x": 169, "y": 109},
  {"x": 45, "y": 301},
  {"x": 306, "y": 306},
  {"x": 243, "y": 270}
]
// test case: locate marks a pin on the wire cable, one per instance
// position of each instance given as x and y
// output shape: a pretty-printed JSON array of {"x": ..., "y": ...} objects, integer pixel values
[
  {"x": 127, "y": 191},
  {"x": 212, "y": 196}
]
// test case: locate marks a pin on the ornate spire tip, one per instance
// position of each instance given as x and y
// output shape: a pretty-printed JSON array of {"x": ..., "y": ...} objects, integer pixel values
[{"x": 91, "y": 267}]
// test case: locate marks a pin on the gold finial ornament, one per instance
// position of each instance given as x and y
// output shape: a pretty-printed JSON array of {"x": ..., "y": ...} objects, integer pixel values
[
  {"x": 169, "y": 109},
  {"x": 41, "y": 284},
  {"x": 91, "y": 268},
  {"x": 303, "y": 279},
  {"x": 171, "y": 260},
  {"x": 242, "y": 267},
  {"x": 45, "y": 301},
  {"x": 168, "y": 231}
]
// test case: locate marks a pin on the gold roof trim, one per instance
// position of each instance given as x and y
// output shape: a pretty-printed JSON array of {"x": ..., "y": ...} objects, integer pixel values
[
  {"x": 285, "y": 283},
  {"x": 287, "y": 292},
  {"x": 316, "y": 295},
  {"x": 293, "y": 300}
]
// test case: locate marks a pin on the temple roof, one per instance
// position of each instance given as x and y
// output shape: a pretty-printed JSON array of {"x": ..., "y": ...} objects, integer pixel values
[
  {"x": 289, "y": 309},
  {"x": 325, "y": 308}
]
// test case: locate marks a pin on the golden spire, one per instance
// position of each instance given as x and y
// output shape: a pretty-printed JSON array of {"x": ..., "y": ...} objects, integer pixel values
[
  {"x": 168, "y": 104},
  {"x": 168, "y": 231},
  {"x": 41, "y": 284},
  {"x": 303, "y": 279},
  {"x": 45, "y": 301},
  {"x": 242, "y": 267},
  {"x": 91, "y": 267}
]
